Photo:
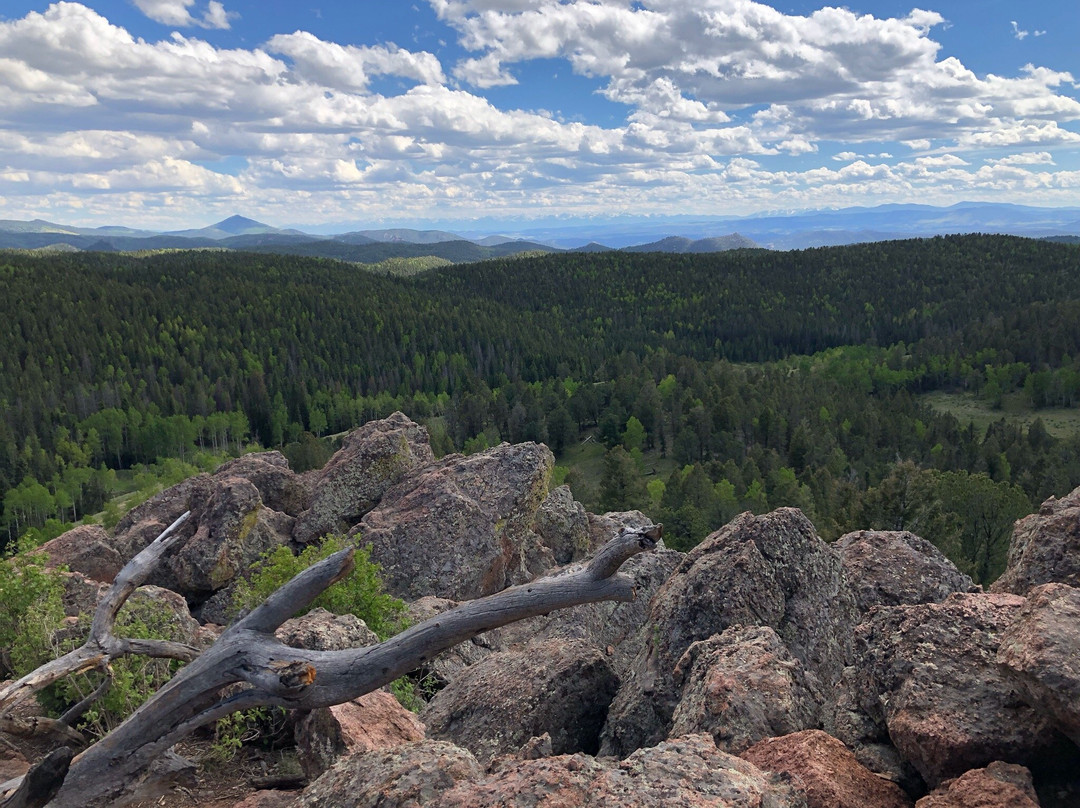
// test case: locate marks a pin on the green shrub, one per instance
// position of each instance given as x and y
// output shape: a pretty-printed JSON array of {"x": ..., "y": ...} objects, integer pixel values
[
  {"x": 360, "y": 593},
  {"x": 30, "y": 611},
  {"x": 267, "y": 725},
  {"x": 134, "y": 678}
]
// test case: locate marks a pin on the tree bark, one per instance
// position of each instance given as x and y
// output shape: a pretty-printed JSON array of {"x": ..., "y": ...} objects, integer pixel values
[{"x": 294, "y": 678}]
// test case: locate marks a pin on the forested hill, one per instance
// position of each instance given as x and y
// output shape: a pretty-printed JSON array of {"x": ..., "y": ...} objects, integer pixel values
[
  {"x": 109, "y": 360},
  {"x": 756, "y": 305}
]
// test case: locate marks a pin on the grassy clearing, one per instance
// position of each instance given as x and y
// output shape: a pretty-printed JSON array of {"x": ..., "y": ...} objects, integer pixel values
[{"x": 967, "y": 407}]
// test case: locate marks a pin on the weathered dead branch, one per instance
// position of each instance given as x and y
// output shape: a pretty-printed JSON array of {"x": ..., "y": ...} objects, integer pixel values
[{"x": 102, "y": 646}]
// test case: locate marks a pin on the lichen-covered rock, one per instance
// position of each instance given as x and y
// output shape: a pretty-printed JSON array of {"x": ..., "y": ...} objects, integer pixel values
[
  {"x": 145, "y": 522},
  {"x": 81, "y": 594},
  {"x": 999, "y": 785},
  {"x": 461, "y": 528},
  {"x": 280, "y": 488},
  {"x": 559, "y": 687},
  {"x": 320, "y": 630},
  {"x": 1040, "y": 652},
  {"x": 926, "y": 677},
  {"x": 742, "y": 686},
  {"x": 411, "y": 776},
  {"x": 370, "y": 460},
  {"x": 895, "y": 568},
  {"x": 603, "y": 526},
  {"x": 232, "y": 530},
  {"x": 618, "y": 629},
  {"x": 229, "y": 529},
  {"x": 826, "y": 771},
  {"x": 86, "y": 549},
  {"x": 1045, "y": 547},
  {"x": 373, "y": 721},
  {"x": 162, "y": 610},
  {"x": 563, "y": 525},
  {"x": 866, "y": 736},
  {"x": 687, "y": 772},
  {"x": 772, "y": 570}
]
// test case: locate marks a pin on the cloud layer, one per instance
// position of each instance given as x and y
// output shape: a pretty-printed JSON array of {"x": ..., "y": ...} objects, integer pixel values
[{"x": 731, "y": 106}]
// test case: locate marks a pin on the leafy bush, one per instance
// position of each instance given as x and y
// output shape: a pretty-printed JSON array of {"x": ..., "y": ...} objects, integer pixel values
[
  {"x": 268, "y": 725},
  {"x": 30, "y": 611},
  {"x": 360, "y": 593},
  {"x": 134, "y": 678}
]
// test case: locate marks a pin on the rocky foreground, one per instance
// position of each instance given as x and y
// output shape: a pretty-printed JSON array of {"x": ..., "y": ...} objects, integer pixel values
[{"x": 764, "y": 668}]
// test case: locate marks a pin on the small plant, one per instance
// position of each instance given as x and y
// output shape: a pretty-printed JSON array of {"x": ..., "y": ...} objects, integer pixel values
[
  {"x": 30, "y": 611},
  {"x": 133, "y": 678},
  {"x": 360, "y": 593},
  {"x": 265, "y": 724}
]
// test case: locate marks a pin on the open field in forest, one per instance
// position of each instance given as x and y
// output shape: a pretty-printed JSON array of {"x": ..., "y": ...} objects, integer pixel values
[{"x": 1061, "y": 423}]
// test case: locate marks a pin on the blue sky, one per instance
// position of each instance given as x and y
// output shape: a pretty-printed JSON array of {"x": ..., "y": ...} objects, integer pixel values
[{"x": 177, "y": 113}]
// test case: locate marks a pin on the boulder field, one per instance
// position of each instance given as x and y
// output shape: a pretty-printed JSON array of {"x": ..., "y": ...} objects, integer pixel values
[{"x": 763, "y": 668}]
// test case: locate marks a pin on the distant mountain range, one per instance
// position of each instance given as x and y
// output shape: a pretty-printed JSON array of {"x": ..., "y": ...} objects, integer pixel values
[{"x": 660, "y": 234}]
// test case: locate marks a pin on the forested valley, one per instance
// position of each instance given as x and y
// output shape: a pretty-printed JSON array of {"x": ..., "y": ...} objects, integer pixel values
[{"x": 690, "y": 386}]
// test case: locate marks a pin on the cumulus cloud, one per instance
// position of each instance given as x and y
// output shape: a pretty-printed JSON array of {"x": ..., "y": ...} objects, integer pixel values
[
  {"x": 1025, "y": 159},
  {"x": 351, "y": 68},
  {"x": 834, "y": 74},
  {"x": 717, "y": 94},
  {"x": 177, "y": 12}
]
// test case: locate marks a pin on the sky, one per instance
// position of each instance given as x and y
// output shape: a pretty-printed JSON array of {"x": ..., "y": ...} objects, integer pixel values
[{"x": 168, "y": 114}]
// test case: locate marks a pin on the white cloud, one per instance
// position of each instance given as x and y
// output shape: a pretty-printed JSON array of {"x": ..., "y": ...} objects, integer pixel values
[
  {"x": 1025, "y": 159},
  {"x": 1020, "y": 34},
  {"x": 176, "y": 12},
  {"x": 350, "y": 68},
  {"x": 718, "y": 95},
  {"x": 835, "y": 74}
]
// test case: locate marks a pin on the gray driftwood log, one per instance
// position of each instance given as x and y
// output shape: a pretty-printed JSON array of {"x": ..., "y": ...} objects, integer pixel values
[{"x": 111, "y": 771}]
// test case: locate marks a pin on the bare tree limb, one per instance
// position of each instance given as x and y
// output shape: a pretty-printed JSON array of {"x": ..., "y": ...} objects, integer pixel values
[
  {"x": 74, "y": 713},
  {"x": 101, "y": 647}
]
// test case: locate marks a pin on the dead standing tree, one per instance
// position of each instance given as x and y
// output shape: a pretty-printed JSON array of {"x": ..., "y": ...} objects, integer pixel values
[{"x": 270, "y": 672}]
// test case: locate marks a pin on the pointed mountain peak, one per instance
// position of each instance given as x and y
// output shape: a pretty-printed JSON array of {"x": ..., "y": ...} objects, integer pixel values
[{"x": 241, "y": 224}]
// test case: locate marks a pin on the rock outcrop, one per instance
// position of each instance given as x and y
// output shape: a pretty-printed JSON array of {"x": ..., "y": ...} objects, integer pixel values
[
  {"x": 85, "y": 549},
  {"x": 320, "y": 630},
  {"x": 771, "y": 570},
  {"x": 561, "y": 688},
  {"x": 826, "y": 771},
  {"x": 1045, "y": 547},
  {"x": 461, "y": 528},
  {"x": 229, "y": 529},
  {"x": 408, "y": 776},
  {"x": 918, "y": 671},
  {"x": 1040, "y": 653},
  {"x": 999, "y": 785},
  {"x": 373, "y": 721},
  {"x": 370, "y": 460},
  {"x": 687, "y": 772},
  {"x": 743, "y": 686},
  {"x": 279, "y": 487},
  {"x": 897, "y": 568},
  {"x": 563, "y": 525}
]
